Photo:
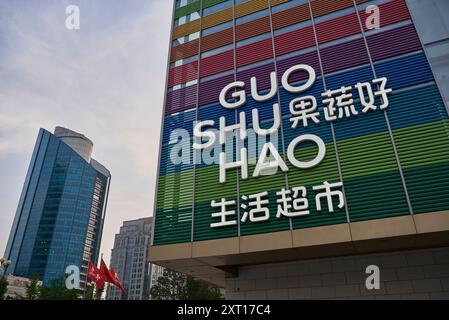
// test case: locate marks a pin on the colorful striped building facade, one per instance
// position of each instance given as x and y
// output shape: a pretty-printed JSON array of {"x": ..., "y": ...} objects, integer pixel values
[{"x": 393, "y": 163}]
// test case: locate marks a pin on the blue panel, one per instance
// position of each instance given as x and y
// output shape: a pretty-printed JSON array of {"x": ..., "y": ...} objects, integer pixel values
[
  {"x": 183, "y": 120},
  {"x": 405, "y": 71}
]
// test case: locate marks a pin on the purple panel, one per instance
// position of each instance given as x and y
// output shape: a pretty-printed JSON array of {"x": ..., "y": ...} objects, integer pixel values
[
  {"x": 393, "y": 42},
  {"x": 181, "y": 99},
  {"x": 210, "y": 90},
  {"x": 310, "y": 58},
  {"x": 344, "y": 55},
  {"x": 262, "y": 73}
]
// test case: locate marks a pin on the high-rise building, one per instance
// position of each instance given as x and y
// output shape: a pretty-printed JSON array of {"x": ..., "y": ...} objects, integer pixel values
[
  {"x": 59, "y": 219},
  {"x": 155, "y": 273},
  {"x": 306, "y": 129},
  {"x": 129, "y": 258}
]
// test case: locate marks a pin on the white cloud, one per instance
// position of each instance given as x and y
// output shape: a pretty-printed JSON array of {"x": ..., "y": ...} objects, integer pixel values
[{"x": 105, "y": 80}]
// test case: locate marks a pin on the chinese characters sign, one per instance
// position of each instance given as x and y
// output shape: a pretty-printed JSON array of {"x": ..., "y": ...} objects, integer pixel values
[{"x": 304, "y": 111}]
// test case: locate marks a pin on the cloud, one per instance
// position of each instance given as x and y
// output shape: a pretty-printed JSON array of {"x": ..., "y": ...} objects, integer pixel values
[{"x": 105, "y": 80}]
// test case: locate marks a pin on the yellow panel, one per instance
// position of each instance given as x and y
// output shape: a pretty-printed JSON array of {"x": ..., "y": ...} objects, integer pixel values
[
  {"x": 250, "y": 7},
  {"x": 186, "y": 29},
  {"x": 217, "y": 18},
  {"x": 278, "y": 2}
]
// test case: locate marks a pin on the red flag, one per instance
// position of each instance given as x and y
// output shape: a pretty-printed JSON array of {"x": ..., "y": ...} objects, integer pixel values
[
  {"x": 95, "y": 275},
  {"x": 116, "y": 280},
  {"x": 105, "y": 273}
]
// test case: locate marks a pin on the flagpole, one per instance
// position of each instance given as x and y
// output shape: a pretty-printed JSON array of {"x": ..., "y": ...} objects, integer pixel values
[{"x": 105, "y": 284}]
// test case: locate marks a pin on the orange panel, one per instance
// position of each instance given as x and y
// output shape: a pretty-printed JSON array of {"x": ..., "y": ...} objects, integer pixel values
[
  {"x": 278, "y": 2},
  {"x": 249, "y": 7}
]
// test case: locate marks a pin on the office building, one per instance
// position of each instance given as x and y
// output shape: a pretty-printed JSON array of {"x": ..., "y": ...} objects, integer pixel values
[
  {"x": 304, "y": 141},
  {"x": 61, "y": 211},
  {"x": 129, "y": 258}
]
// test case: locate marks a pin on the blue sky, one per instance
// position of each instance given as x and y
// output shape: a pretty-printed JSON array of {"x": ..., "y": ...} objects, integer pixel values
[{"x": 105, "y": 80}]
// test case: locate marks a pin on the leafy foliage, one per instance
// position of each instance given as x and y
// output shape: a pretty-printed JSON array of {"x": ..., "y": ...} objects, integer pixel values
[
  {"x": 33, "y": 289},
  {"x": 177, "y": 286},
  {"x": 3, "y": 287},
  {"x": 58, "y": 291}
]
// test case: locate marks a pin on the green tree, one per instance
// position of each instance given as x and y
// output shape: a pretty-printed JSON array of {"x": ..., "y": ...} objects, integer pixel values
[
  {"x": 33, "y": 289},
  {"x": 177, "y": 286},
  {"x": 90, "y": 292},
  {"x": 3, "y": 287},
  {"x": 170, "y": 286},
  {"x": 199, "y": 290},
  {"x": 99, "y": 292},
  {"x": 58, "y": 291}
]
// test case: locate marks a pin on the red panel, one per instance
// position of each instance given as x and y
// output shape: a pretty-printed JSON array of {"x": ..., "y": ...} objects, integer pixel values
[
  {"x": 291, "y": 16},
  {"x": 183, "y": 74},
  {"x": 184, "y": 50},
  {"x": 252, "y": 28},
  {"x": 217, "y": 39},
  {"x": 390, "y": 12},
  {"x": 217, "y": 63},
  {"x": 294, "y": 40},
  {"x": 323, "y": 7},
  {"x": 337, "y": 28},
  {"x": 254, "y": 52}
]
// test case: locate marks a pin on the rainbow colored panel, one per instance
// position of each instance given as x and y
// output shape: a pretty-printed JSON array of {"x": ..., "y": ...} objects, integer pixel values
[{"x": 391, "y": 163}]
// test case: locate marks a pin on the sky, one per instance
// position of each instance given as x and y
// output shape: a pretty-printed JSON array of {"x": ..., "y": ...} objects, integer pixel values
[{"x": 105, "y": 80}]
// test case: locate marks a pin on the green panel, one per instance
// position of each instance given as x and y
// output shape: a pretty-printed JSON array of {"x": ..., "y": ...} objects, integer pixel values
[
  {"x": 366, "y": 155},
  {"x": 203, "y": 219},
  {"x": 183, "y": 11},
  {"x": 175, "y": 190},
  {"x": 423, "y": 144},
  {"x": 210, "y": 3},
  {"x": 371, "y": 180},
  {"x": 428, "y": 187},
  {"x": 173, "y": 225},
  {"x": 371, "y": 196},
  {"x": 272, "y": 184},
  {"x": 208, "y": 188},
  {"x": 424, "y": 153},
  {"x": 375, "y": 196},
  {"x": 168, "y": 184},
  {"x": 319, "y": 218},
  {"x": 326, "y": 171},
  {"x": 173, "y": 217}
]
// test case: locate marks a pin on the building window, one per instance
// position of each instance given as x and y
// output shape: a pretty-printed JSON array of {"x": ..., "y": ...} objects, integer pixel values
[
  {"x": 253, "y": 39},
  {"x": 287, "y": 5},
  {"x": 251, "y": 17},
  {"x": 218, "y": 7},
  {"x": 188, "y": 18},
  {"x": 217, "y": 28},
  {"x": 183, "y": 3},
  {"x": 185, "y": 39},
  {"x": 183, "y": 85},
  {"x": 217, "y": 51}
]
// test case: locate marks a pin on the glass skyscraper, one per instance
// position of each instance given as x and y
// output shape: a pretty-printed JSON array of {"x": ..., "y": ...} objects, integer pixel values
[{"x": 61, "y": 210}]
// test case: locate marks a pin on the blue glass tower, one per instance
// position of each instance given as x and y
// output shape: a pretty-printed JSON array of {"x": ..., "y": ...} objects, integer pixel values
[{"x": 61, "y": 210}]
